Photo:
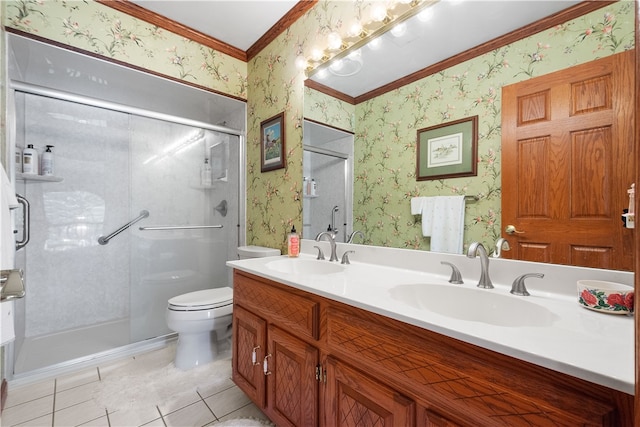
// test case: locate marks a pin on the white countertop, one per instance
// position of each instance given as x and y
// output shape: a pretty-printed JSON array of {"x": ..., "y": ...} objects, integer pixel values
[{"x": 589, "y": 345}]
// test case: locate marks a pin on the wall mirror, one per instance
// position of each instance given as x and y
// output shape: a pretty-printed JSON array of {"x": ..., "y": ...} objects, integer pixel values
[
  {"x": 454, "y": 90},
  {"x": 328, "y": 181}
]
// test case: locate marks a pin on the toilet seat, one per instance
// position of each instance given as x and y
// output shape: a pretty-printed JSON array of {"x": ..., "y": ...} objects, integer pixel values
[{"x": 207, "y": 299}]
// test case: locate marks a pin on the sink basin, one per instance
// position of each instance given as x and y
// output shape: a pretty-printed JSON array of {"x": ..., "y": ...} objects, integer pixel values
[
  {"x": 474, "y": 305},
  {"x": 304, "y": 266}
]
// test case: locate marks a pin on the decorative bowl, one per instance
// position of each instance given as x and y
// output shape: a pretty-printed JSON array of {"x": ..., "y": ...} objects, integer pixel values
[{"x": 606, "y": 297}]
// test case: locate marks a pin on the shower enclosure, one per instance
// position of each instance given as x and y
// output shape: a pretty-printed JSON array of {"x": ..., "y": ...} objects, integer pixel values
[
  {"x": 328, "y": 161},
  {"x": 125, "y": 222}
]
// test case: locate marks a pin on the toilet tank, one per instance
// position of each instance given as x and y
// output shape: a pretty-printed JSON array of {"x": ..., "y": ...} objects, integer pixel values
[{"x": 245, "y": 252}]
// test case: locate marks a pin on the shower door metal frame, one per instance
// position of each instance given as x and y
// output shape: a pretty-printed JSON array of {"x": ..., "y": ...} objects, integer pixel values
[{"x": 132, "y": 348}]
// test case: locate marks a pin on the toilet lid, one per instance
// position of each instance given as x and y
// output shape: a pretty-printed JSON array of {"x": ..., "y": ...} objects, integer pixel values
[{"x": 216, "y": 297}]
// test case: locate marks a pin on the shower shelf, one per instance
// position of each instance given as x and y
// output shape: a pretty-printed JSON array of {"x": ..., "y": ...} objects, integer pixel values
[{"x": 38, "y": 178}]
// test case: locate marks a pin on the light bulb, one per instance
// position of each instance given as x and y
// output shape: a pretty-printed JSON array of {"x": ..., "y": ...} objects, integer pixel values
[
  {"x": 425, "y": 15},
  {"x": 334, "y": 41},
  {"x": 375, "y": 43},
  {"x": 355, "y": 55},
  {"x": 336, "y": 65},
  {"x": 301, "y": 62},
  {"x": 399, "y": 30},
  {"x": 356, "y": 29},
  {"x": 378, "y": 12},
  {"x": 316, "y": 54}
]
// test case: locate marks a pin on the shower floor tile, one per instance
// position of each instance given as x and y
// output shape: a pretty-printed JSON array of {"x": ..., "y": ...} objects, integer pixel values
[{"x": 142, "y": 390}]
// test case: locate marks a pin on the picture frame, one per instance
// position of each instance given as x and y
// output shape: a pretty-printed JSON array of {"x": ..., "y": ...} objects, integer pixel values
[
  {"x": 272, "y": 143},
  {"x": 448, "y": 150}
]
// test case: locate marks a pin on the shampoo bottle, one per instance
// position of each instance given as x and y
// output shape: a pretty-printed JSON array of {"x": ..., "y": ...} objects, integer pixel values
[
  {"x": 30, "y": 160},
  {"x": 18, "y": 159},
  {"x": 206, "y": 174},
  {"x": 47, "y": 161},
  {"x": 293, "y": 243}
]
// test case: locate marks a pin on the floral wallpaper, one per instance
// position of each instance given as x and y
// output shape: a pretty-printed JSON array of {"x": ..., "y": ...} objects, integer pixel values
[
  {"x": 104, "y": 31},
  {"x": 385, "y": 134},
  {"x": 274, "y": 199},
  {"x": 386, "y": 126},
  {"x": 329, "y": 110}
]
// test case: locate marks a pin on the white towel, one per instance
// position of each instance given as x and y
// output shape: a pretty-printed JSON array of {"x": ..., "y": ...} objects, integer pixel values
[
  {"x": 7, "y": 252},
  {"x": 416, "y": 205},
  {"x": 442, "y": 220},
  {"x": 7, "y": 240},
  {"x": 447, "y": 228}
]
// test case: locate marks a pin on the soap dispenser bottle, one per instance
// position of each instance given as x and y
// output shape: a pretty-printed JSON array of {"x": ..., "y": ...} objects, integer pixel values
[
  {"x": 293, "y": 243},
  {"x": 30, "y": 161},
  {"x": 47, "y": 161}
]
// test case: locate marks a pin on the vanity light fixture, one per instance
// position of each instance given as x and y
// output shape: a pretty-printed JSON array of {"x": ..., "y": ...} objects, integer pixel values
[{"x": 339, "y": 46}]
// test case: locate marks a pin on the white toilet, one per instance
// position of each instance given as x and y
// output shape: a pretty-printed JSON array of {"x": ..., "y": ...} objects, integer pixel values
[{"x": 203, "y": 318}]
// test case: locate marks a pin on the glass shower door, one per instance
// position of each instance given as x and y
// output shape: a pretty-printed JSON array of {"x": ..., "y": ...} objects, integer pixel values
[
  {"x": 84, "y": 296},
  {"x": 191, "y": 231}
]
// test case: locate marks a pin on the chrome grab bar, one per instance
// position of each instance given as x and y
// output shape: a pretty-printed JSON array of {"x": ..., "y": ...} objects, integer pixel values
[
  {"x": 26, "y": 222},
  {"x": 178, "y": 227},
  {"x": 103, "y": 240}
]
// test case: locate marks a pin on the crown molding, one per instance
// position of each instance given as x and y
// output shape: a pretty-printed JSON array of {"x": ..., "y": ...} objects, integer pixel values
[
  {"x": 281, "y": 26},
  {"x": 161, "y": 21}
]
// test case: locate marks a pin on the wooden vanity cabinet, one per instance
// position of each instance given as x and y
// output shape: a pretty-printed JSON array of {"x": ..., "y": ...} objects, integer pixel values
[
  {"x": 331, "y": 364},
  {"x": 274, "y": 368},
  {"x": 354, "y": 399},
  {"x": 282, "y": 373}
]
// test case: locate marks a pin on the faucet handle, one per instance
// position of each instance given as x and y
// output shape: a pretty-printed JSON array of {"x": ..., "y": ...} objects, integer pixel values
[
  {"x": 518, "y": 287},
  {"x": 345, "y": 257},
  {"x": 456, "y": 277},
  {"x": 320, "y": 253}
]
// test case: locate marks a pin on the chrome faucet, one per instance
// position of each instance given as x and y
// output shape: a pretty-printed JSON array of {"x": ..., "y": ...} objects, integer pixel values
[
  {"x": 518, "y": 287},
  {"x": 334, "y": 211},
  {"x": 475, "y": 249},
  {"x": 331, "y": 237},
  {"x": 352, "y": 235},
  {"x": 501, "y": 245}
]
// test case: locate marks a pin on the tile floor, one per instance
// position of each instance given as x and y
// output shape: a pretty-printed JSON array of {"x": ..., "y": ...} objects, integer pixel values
[{"x": 83, "y": 398}]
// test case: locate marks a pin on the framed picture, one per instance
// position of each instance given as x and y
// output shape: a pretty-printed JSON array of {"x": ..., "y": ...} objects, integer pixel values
[
  {"x": 448, "y": 150},
  {"x": 272, "y": 143}
]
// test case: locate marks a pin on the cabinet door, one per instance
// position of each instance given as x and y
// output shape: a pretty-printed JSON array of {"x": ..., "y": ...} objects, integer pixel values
[
  {"x": 249, "y": 349},
  {"x": 430, "y": 418},
  {"x": 353, "y": 400},
  {"x": 291, "y": 380}
]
